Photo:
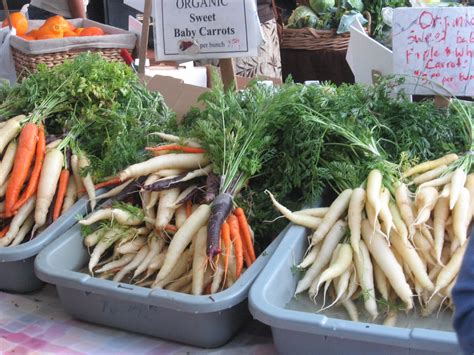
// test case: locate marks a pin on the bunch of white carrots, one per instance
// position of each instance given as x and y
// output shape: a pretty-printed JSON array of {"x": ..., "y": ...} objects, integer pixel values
[
  {"x": 35, "y": 188},
  {"x": 161, "y": 241},
  {"x": 389, "y": 247}
]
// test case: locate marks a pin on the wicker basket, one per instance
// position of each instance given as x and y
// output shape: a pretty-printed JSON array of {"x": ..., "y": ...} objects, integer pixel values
[
  {"x": 315, "y": 40},
  {"x": 27, "y": 55},
  {"x": 25, "y": 63}
]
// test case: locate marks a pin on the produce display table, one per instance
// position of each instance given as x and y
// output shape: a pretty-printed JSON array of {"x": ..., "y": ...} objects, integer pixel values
[{"x": 36, "y": 323}]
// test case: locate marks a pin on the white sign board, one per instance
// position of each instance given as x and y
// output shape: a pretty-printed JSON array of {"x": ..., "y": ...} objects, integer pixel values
[
  {"x": 434, "y": 47},
  {"x": 366, "y": 55},
  {"x": 200, "y": 29}
]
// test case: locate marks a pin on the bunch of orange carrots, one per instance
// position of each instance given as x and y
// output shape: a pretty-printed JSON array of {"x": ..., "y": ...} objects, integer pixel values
[
  {"x": 35, "y": 182},
  {"x": 159, "y": 239}
]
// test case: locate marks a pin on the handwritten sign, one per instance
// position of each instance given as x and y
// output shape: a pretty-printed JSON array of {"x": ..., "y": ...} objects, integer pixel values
[
  {"x": 199, "y": 29},
  {"x": 434, "y": 47}
]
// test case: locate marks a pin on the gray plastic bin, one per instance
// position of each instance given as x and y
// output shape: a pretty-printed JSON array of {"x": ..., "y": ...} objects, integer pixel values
[
  {"x": 17, "y": 263},
  {"x": 205, "y": 321},
  {"x": 304, "y": 331}
]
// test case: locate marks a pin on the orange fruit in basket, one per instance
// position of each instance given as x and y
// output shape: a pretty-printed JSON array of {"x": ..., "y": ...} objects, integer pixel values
[
  {"x": 19, "y": 21},
  {"x": 78, "y": 30},
  {"x": 32, "y": 33},
  {"x": 57, "y": 23},
  {"x": 69, "y": 33},
  {"x": 49, "y": 35},
  {"x": 92, "y": 31}
]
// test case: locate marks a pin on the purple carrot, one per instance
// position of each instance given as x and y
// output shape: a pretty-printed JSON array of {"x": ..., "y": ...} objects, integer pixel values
[
  {"x": 220, "y": 209},
  {"x": 212, "y": 188}
]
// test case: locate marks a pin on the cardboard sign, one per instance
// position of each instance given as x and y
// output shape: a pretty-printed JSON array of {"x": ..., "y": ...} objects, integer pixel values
[
  {"x": 200, "y": 29},
  {"x": 434, "y": 47}
]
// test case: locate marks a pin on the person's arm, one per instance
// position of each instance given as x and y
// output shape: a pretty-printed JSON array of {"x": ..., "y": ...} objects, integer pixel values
[
  {"x": 77, "y": 8},
  {"x": 463, "y": 298}
]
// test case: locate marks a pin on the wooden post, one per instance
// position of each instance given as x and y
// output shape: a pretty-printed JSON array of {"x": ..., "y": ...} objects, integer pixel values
[
  {"x": 7, "y": 11},
  {"x": 227, "y": 73},
  {"x": 143, "y": 47}
]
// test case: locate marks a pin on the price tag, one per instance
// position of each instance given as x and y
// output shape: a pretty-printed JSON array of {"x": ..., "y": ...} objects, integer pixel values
[
  {"x": 434, "y": 48},
  {"x": 201, "y": 29}
]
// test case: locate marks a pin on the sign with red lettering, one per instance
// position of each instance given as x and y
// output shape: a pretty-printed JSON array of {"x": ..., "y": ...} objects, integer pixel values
[
  {"x": 200, "y": 29},
  {"x": 434, "y": 48}
]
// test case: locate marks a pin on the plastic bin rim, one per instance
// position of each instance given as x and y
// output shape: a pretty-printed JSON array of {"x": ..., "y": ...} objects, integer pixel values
[
  {"x": 34, "y": 246},
  {"x": 293, "y": 320},
  {"x": 152, "y": 297}
]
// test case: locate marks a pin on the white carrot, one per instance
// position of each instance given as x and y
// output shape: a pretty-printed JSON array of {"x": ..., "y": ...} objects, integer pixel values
[
  {"x": 156, "y": 263},
  {"x": 302, "y": 220},
  {"x": 180, "y": 283},
  {"x": 137, "y": 260},
  {"x": 446, "y": 192},
  {"x": 199, "y": 262},
  {"x": 155, "y": 245},
  {"x": 311, "y": 257},
  {"x": 117, "y": 214},
  {"x": 7, "y": 162},
  {"x": 24, "y": 230},
  {"x": 341, "y": 264},
  {"x": 8, "y": 133},
  {"x": 105, "y": 242},
  {"x": 386, "y": 260},
  {"x": 341, "y": 285},
  {"x": 92, "y": 239},
  {"x": 314, "y": 288},
  {"x": 83, "y": 164},
  {"x": 354, "y": 216},
  {"x": 441, "y": 181},
  {"x": 166, "y": 208},
  {"x": 424, "y": 247},
  {"x": 76, "y": 173},
  {"x": 440, "y": 215},
  {"x": 115, "y": 191},
  {"x": 461, "y": 215},
  {"x": 398, "y": 222},
  {"x": 47, "y": 185},
  {"x": 413, "y": 260},
  {"x": 315, "y": 212},
  {"x": 385, "y": 214},
  {"x": 451, "y": 270},
  {"x": 457, "y": 183},
  {"x": 183, "y": 194},
  {"x": 470, "y": 187},
  {"x": 175, "y": 139},
  {"x": 429, "y": 165},
  {"x": 374, "y": 185},
  {"x": 124, "y": 260},
  {"x": 405, "y": 206},
  {"x": 183, "y": 237},
  {"x": 335, "y": 234},
  {"x": 336, "y": 210},
  {"x": 380, "y": 281},
  {"x": 365, "y": 274},
  {"x": 180, "y": 216},
  {"x": 425, "y": 200},
  {"x": 132, "y": 246},
  {"x": 169, "y": 161},
  {"x": 17, "y": 221},
  {"x": 70, "y": 197},
  {"x": 181, "y": 267},
  {"x": 430, "y": 175},
  {"x": 168, "y": 173},
  {"x": 351, "y": 310},
  {"x": 197, "y": 173}
]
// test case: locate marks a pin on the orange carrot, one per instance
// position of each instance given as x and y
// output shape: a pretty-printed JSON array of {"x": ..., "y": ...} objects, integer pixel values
[
  {"x": 113, "y": 181},
  {"x": 225, "y": 235},
  {"x": 189, "y": 208},
  {"x": 237, "y": 241},
  {"x": 23, "y": 158},
  {"x": 62, "y": 187},
  {"x": 171, "y": 228},
  {"x": 245, "y": 233},
  {"x": 176, "y": 147},
  {"x": 35, "y": 174},
  {"x": 4, "y": 231}
]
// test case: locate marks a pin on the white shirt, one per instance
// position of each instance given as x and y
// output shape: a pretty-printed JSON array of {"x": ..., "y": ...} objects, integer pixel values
[{"x": 59, "y": 7}]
